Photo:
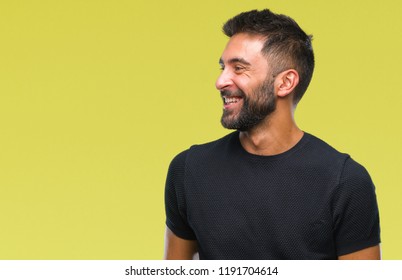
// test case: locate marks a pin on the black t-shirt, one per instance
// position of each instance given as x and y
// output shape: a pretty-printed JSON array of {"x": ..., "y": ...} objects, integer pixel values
[{"x": 310, "y": 202}]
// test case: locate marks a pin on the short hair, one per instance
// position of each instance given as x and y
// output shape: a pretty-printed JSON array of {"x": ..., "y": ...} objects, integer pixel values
[{"x": 286, "y": 45}]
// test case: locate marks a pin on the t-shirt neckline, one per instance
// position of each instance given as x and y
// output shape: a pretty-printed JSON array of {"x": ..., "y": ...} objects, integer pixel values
[{"x": 236, "y": 138}]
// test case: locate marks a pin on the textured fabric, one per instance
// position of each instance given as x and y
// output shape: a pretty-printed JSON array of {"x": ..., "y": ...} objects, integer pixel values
[{"x": 310, "y": 202}]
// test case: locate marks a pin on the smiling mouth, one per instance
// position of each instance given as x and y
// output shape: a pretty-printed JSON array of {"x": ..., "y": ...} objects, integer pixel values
[
  {"x": 230, "y": 103},
  {"x": 231, "y": 100}
]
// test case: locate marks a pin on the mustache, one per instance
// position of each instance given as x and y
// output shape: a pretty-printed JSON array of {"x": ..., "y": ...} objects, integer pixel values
[{"x": 229, "y": 93}]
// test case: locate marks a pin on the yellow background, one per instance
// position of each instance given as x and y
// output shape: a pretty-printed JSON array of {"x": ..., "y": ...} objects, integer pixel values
[{"x": 96, "y": 98}]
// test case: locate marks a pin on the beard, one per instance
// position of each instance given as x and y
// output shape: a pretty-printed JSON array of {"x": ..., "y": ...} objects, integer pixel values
[{"x": 256, "y": 107}]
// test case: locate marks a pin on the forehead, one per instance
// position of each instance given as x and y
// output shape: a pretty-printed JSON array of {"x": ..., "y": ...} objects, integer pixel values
[{"x": 246, "y": 47}]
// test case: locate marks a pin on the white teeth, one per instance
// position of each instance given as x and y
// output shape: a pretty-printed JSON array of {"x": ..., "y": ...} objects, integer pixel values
[{"x": 230, "y": 100}]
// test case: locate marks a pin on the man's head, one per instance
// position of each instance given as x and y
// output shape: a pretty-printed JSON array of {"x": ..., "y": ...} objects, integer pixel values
[
  {"x": 261, "y": 43},
  {"x": 286, "y": 45}
]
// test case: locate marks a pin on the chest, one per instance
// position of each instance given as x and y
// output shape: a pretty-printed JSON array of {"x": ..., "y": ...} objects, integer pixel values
[{"x": 260, "y": 208}]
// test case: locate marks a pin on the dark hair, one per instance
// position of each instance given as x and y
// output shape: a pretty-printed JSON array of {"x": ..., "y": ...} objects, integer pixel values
[{"x": 287, "y": 45}]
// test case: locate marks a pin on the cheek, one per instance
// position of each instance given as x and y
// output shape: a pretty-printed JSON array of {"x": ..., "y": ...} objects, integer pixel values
[
  {"x": 243, "y": 86},
  {"x": 247, "y": 83}
]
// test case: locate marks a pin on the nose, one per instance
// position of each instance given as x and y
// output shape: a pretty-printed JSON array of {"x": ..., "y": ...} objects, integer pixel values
[{"x": 224, "y": 80}]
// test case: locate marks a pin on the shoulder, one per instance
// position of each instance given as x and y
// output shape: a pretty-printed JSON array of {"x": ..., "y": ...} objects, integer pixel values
[
  {"x": 176, "y": 171},
  {"x": 223, "y": 141},
  {"x": 319, "y": 157},
  {"x": 323, "y": 149},
  {"x": 213, "y": 149},
  {"x": 200, "y": 151},
  {"x": 179, "y": 160},
  {"x": 351, "y": 170},
  {"x": 355, "y": 179}
]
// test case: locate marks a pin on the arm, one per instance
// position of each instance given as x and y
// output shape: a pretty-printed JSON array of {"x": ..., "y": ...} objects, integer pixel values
[
  {"x": 371, "y": 253},
  {"x": 184, "y": 247},
  {"x": 357, "y": 227},
  {"x": 177, "y": 248}
]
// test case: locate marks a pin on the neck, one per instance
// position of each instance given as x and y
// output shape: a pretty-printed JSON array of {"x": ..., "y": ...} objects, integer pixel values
[{"x": 274, "y": 135}]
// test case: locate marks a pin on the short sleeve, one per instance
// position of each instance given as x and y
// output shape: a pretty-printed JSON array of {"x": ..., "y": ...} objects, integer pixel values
[
  {"x": 355, "y": 210},
  {"x": 175, "y": 206}
]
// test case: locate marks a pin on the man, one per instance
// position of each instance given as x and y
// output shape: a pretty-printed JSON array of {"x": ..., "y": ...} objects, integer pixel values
[{"x": 268, "y": 190}]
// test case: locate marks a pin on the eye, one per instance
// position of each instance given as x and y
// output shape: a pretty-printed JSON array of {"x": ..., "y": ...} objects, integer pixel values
[{"x": 238, "y": 68}]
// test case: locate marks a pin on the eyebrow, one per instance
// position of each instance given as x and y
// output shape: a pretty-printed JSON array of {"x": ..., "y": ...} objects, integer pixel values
[{"x": 235, "y": 60}]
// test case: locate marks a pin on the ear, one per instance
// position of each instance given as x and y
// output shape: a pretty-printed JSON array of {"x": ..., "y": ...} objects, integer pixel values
[{"x": 286, "y": 82}]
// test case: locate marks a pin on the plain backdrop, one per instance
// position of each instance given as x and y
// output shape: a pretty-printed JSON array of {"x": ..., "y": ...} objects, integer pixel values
[{"x": 97, "y": 97}]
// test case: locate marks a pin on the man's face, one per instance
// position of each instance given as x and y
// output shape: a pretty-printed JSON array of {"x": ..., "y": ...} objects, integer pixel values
[{"x": 246, "y": 84}]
